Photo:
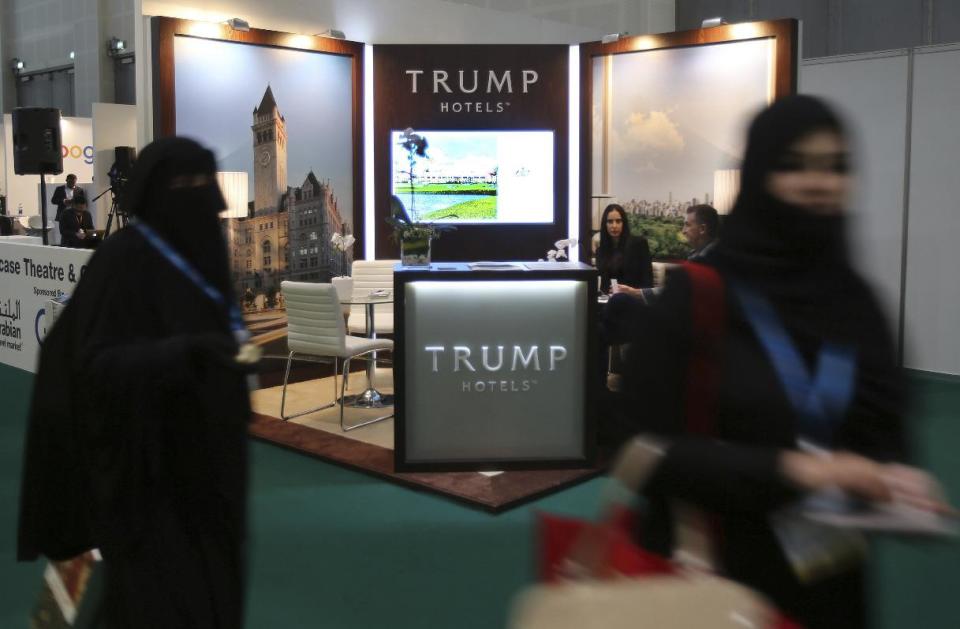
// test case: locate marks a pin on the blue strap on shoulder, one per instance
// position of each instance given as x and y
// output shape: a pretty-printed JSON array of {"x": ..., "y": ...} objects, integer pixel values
[
  {"x": 183, "y": 265},
  {"x": 820, "y": 400}
]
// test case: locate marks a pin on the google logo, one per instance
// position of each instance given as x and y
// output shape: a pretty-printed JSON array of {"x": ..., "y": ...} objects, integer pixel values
[{"x": 76, "y": 152}]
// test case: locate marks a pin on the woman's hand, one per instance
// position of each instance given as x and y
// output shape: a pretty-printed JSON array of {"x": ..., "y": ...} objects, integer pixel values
[
  {"x": 865, "y": 478},
  {"x": 849, "y": 472},
  {"x": 916, "y": 488}
]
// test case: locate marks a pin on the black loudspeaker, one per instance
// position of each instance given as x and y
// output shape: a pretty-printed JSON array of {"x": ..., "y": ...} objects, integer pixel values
[
  {"x": 37, "y": 144},
  {"x": 123, "y": 159}
]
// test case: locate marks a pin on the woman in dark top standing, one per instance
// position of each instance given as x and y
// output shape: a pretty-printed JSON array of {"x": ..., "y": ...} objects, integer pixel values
[
  {"x": 793, "y": 306},
  {"x": 620, "y": 256}
]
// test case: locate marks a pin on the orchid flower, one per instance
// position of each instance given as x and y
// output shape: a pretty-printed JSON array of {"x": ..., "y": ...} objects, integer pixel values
[
  {"x": 560, "y": 253},
  {"x": 341, "y": 242}
]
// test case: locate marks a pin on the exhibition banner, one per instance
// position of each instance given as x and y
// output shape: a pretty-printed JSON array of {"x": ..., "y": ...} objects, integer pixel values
[
  {"x": 30, "y": 276},
  {"x": 492, "y": 126},
  {"x": 290, "y": 131},
  {"x": 663, "y": 120}
]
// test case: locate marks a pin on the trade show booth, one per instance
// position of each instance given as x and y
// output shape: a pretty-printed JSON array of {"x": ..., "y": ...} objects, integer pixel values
[{"x": 506, "y": 151}]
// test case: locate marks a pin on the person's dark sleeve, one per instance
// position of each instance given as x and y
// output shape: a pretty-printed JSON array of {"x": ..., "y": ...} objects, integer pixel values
[
  {"x": 604, "y": 270},
  {"x": 59, "y": 196},
  {"x": 69, "y": 226},
  {"x": 875, "y": 426},
  {"x": 87, "y": 220},
  {"x": 720, "y": 476},
  {"x": 638, "y": 264}
]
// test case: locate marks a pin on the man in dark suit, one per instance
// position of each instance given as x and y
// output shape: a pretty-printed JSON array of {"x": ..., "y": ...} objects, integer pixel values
[
  {"x": 63, "y": 195},
  {"x": 76, "y": 224}
]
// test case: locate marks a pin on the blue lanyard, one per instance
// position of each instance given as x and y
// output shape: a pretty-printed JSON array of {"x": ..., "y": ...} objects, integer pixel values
[
  {"x": 821, "y": 399},
  {"x": 233, "y": 311}
]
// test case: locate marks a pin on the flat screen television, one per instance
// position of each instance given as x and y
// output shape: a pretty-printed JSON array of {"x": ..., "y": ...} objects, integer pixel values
[{"x": 476, "y": 177}]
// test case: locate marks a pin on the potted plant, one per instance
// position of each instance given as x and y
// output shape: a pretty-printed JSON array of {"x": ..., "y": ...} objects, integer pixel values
[
  {"x": 343, "y": 242},
  {"x": 415, "y": 236}
]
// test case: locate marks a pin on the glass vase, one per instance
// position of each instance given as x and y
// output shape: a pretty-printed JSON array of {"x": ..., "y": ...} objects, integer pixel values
[{"x": 415, "y": 251}]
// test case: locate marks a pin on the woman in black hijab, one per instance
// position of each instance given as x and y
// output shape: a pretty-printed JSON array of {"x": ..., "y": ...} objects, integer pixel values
[
  {"x": 806, "y": 363},
  {"x": 137, "y": 441}
]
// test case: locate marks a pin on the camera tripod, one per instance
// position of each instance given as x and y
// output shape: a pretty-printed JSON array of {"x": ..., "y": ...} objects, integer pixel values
[{"x": 115, "y": 211}]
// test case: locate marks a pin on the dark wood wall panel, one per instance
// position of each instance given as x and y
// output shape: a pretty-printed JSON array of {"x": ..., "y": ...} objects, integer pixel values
[{"x": 543, "y": 107}]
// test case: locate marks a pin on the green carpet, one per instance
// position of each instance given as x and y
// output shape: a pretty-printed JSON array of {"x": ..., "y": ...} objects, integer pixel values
[{"x": 333, "y": 548}]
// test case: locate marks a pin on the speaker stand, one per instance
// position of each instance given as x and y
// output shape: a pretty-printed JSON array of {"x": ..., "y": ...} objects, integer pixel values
[{"x": 43, "y": 205}]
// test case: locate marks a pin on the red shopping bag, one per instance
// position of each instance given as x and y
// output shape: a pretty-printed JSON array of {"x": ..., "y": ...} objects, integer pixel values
[{"x": 557, "y": 536}]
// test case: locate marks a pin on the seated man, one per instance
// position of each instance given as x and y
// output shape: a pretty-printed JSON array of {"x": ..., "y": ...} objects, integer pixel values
[
  {"x": 76, "y": 224},
  {"x": 700, "y": 230}
]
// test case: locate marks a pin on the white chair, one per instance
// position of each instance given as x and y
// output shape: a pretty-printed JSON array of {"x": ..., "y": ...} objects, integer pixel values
[
  {"x": 315, "y": 330},
  {"x": 370, "y": 275}
]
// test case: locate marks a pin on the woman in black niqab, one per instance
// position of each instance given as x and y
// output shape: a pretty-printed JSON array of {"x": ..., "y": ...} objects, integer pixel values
[
  {"x": 782, "y": 245},
  {"x": 137, "y": 440}
]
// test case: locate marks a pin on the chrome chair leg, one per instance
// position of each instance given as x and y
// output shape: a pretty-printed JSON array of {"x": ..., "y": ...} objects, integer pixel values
[
  {"x": 283, "y": 395},
  {"x": 343, "y": 390},
  {"x": 336, "y": 367}
]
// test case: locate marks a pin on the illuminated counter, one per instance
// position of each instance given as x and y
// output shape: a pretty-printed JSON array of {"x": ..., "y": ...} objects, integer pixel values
[{"x": 492, "y": 366}]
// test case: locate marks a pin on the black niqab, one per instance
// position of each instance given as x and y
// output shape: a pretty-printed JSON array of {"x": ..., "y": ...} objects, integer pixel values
[
  {"x": 187, "y": 217},
  {"x": 767, "y": 241},
  {"x": 798, "y": 262},
  {"x": 137, "y": 437},
  {"x": 796, "y": 258}
]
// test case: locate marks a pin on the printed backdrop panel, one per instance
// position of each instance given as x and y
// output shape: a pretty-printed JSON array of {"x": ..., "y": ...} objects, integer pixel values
[
  {"x": 495, "y": 121},
  {"x": 30, "y": 276},
  {"x": 288, "y": 127}
]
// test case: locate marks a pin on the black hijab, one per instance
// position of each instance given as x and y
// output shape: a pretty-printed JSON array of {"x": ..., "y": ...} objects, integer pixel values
[
  {"x": 795, "y": 258},
  {"x": 779, "y": 247},
  {"x": 187, "y": 217},
  {"x": 137, "y": 437}
]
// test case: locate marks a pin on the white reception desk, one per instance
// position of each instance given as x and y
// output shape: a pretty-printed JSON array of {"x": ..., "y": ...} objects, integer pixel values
[{"x": 492, "y": 366}]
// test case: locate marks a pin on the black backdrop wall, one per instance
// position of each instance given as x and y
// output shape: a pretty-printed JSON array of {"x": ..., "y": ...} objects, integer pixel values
[{"x": 398, "y": 105}]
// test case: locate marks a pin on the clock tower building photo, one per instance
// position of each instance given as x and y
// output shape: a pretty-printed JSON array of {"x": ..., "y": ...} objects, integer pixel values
[
  {"x": 269, "y": 155},
  {"x": 286, "y": 232}
]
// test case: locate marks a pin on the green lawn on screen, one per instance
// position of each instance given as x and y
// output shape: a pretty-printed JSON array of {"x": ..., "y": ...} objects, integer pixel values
[
  {"x": 477, "y": 209},
  {"x": 450, "y": 188}
]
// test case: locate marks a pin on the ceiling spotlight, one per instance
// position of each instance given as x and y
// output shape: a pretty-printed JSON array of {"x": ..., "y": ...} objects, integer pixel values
[
  {"x": 17, "y": 65},
  {"x": 710, "y": 22},
  {"x": 238, "y": 24},
  {"x": 333, "y": 33},
  {"x": 73, "y": 55},
  {"x": 116, "y": 46},
  {"x": 612, "y": 37}
]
